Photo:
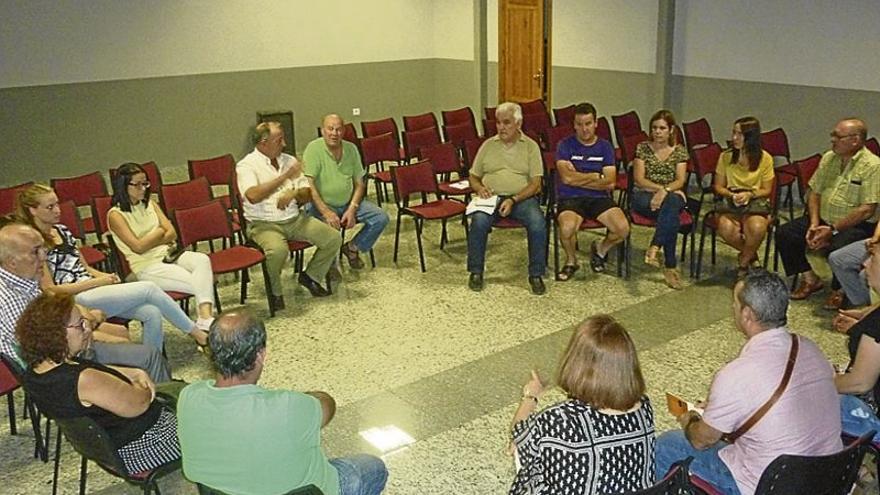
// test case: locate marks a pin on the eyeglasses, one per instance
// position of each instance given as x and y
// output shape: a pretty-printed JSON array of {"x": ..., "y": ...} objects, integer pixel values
[
  {"x": 144, "y": 185},
  {"x": 835, "y": 135},
  {"x": 83, "y": 325}
]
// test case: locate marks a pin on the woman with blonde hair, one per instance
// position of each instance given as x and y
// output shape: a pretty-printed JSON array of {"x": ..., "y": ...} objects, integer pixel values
[
  {"x": 67, "y": 272},
  {"x": 601, "y": 438}
]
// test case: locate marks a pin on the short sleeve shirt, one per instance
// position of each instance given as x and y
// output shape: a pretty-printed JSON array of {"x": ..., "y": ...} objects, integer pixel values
[
  {"x": 739, "y": 177},
  {"x": 248, "y": 439},
  {"x": 586, "y": 159},
  {"x": 804, "y": 421},
  {"x": 507, "y": 169},
  {"x": 334, "y": 180},
  {"x": 840, "y": 192},
  {"x": 660, "y": 171},
  {"x": 255, "y": 169},
  {"x": 15, "y": 294}
]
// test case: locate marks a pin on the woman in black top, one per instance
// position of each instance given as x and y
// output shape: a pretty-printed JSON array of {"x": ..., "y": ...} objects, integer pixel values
[{"x": 50, "y": 332}]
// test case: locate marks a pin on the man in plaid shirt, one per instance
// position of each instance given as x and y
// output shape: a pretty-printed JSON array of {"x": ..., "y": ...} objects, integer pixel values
[{"x": 22, "y": 260}]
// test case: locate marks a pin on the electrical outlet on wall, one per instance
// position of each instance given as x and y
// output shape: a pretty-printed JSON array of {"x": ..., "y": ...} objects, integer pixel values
[{"x": 355, "y": 111}]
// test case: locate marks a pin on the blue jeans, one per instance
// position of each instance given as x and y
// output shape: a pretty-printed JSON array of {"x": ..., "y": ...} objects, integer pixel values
[
  {"x": 526, "y": 212},
  {"x": 142, "y": 301},
  {"x": 672, "y": 447},
  {"x": 668, "y": 222},
  {"x": 360, "y": 474},
  {"x": 374, "y": 219},
  {"x": 846, "y": 263},
  {"x": 856, "y": 418}
]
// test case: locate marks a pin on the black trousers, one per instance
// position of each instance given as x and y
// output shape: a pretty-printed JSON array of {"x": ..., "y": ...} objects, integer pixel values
[{"x": 792, "y": 245}]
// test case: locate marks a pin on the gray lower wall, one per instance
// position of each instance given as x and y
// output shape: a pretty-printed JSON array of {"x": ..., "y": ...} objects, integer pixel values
[{"x": 66, "y": 130}]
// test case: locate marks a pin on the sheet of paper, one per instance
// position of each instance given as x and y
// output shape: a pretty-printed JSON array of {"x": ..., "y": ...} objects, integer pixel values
[
  {"x": 486, "y": 205},
  {"x": 678, "y": 406},
  {"x": 460, "y": 185}
]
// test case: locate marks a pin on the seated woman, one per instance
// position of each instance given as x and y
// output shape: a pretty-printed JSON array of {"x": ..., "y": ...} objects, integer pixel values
[
  {"x": 50, "y": 332},
  {"x": 859, "y": 384},
  {"x": 145, "y": 235},
  {"x": 599, "y": 440},
  {"x": 743, "y": 184},
  {"x": 660, "y": 171},
  {"x": 68, "y": 273}
]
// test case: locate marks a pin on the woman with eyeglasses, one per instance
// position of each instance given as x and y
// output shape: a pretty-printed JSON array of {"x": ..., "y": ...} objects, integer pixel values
[
  {"x": 145, "y": 237},
  {"x": 67, "y": 272},
  {"x": 51, "y": 331}
]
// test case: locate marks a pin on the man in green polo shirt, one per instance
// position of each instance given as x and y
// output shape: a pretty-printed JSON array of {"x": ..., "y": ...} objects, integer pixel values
[{"x": 334, "y": 168}]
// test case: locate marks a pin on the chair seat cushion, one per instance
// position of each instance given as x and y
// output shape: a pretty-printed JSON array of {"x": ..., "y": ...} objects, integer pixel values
[
  {"x": 622, "y": 182},
  {"x": 446, "y": 188},
  {"x": 684, "y": 218},
  {"x": 88, "y": 224},
  {"x": 298, "y": 245},
  {"x": 177, "y": 296},
  {"x": 235, "y": 258},
  {"x": 92, "y": 255},
  {"x": 443, "y": 208},
  {"x": 507, "y": 223},
  {"x": 382, "y": 176}
]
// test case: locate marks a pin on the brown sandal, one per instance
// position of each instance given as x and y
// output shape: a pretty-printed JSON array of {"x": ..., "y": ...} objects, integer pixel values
[
  {"x": 567, "y": 272},
  {"x": 354, "y": 259}
]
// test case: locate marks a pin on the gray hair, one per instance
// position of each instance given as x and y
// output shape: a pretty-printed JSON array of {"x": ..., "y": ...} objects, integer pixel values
[
  {"x": 235, "y": 339},
  {"x": 509, "y": 108},
  {"x": 767, "y": 295}
]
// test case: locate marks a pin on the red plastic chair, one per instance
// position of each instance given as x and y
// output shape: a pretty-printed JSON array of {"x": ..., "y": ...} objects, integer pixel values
[
  {"x": 413, "y": 141},
  {"x": 534, "y": 106},
  {"x": 376, "y": 151},
  {"x": 70, "y": 218},
  {"x": 627, "y": 124},
  {"x": 153, "y": 175},
  {"x": 189, "y": 194},
  {"x": 419, "y": 122},
  {"x": 775, "y": 142},
  {"x": 378, "y": 127},
  {"x": 603, "y": 130},
  {"x": 459, "y": 116},
  {"x": 697, "y": 133},
  {"x": 489, "y": 112},
  {"x": 459, "y": 133},
  {"x": 873, "y": 145},
  {"x": 490, "y": 128},
  {"x": 445, "y": 161},
  {"x": 211, "y": 221},
  {"x": 564, "y": 115},
  {"x": 535, "y": 125},
  {"x": 806, "y": 168},
  {"x": 471, "y": 147},
  {"x": 8, "y": 195},
  {"x": 554, "y": 135},
  {"x": 81, "y": 190},
  {"x": 705, "y": 160},
  {"x": 219, "y": 171},
  {"x": 8, "y": 385},
  {"x": 628, "y": 151},
  {"x": 419, "y": 178}
]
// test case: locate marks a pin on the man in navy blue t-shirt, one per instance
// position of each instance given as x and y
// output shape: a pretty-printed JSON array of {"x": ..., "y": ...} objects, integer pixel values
[{"x": 586, "y": 175}]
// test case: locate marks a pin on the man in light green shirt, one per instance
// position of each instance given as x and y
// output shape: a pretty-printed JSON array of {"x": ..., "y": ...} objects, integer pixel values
[
  {"x": 240, "y": 438},
  {"x": 333, "y": 165}
]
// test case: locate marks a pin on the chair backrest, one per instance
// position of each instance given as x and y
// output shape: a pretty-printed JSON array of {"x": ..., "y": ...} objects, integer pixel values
[
  {"x": 186, "y": 194},
  {"x": 444, "y": 158},
  {"x": 459, "y": 116},
  {"x": 775, "y": 142},
  {"x": 70, "y": 218},
  {"x": 697, "y": 133},
  {"x": 413, "y": 141},
  {"x": 489, "y": 112},
  {"x": 553, "y": 135},
  {"x": 706, "y": 159},
  {"x": 457, "y": 134},
  {"x": 100, "y": 210},
  {"x": 303, "y": 490},
  {"x": 153, "y": 175},
  {"x": 630, "y": 143},
  {"x": 201, "y": 223},
  {"x": 490, "y": 127},
  {"x": 421, "y": 121},
  {"x": 381, "y": 148},
  {"x": 564, "y": 115},
  {"x": 9, "y": 374},
  {"x": 534, "y": 106},
  {"x": 603, "y": 130},
  {"x": 218, "y": 170},
  {"x": 627, "y": 124},
  {"x": 80, "y": 189},
  {"x": 8, "y": 195},
  {"x": 806, "y": 167},
  {"x": 91, "y": 441},
  {"x": 378, "y": 127},
  {"x": 536, "y": 123},
  {"x": 873, "y": 145},
  {"x": 119, "y": 261},
  {"x": 471, "y": 147},
  {"x": 832, "y": 474},
  {"x": 417, "y": 178},
  {"x": 676, "y": 482}
]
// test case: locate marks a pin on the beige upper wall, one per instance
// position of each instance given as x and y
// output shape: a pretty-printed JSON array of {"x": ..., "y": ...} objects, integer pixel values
[{"x": 827, "y": 43}]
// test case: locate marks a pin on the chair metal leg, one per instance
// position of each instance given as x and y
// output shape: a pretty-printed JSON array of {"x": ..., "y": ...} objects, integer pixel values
[
  {"x": 217, "y": 299},
  {"x": 11, "y": 403},
  {"x": 700, "y": 254},
  {"x": 57, "y": 461},
  {"x": 418, "y": 223},
  {"x": 83, "y": 473},
  {"x": 268, "y": 288},
  {"x": 397, "y": 236}
]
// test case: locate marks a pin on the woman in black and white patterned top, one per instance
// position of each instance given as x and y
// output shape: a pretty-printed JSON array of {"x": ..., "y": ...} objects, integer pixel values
[{"x": 600, "y": 440}]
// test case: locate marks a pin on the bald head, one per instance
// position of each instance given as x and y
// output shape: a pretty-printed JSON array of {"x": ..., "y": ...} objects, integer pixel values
[
  {"x": 856, "y": 126},
  {"x": 236, "y": 339},
  {"x": 848, "y": 137},
  {"x": 331, "y": 130},
  {"x": 21, "y": 250}
]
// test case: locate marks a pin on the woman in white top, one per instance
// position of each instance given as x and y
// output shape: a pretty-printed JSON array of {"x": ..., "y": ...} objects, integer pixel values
[{"x": 145, "y": 236}]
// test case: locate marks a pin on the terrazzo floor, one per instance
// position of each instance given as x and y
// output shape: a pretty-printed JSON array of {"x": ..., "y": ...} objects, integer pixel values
[{"x": 395, "y": 346}]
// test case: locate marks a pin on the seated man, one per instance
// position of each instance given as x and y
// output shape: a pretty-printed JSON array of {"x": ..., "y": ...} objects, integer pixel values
[
  {"x": 508, "y": 164},
  {"x": 336, "y": 175},
  {"x": 259, "y": 440},
  {"x": 22, "y": 258},
  {"x": 842, "y": 206},
  {"x": 586, "y": 175},
  {"x": 273, "y": 186},
  {"x": 804, "y": 420}
]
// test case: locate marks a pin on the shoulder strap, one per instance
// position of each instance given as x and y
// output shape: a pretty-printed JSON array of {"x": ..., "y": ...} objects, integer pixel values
[{"x": 786, "y": 377}]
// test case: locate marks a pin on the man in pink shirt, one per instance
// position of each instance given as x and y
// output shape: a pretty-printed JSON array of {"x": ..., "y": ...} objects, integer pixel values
[{"x": 805, "y": 420}]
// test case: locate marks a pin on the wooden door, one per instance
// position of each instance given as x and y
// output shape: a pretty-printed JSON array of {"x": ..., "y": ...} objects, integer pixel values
[{"x": 523, "y": 50}]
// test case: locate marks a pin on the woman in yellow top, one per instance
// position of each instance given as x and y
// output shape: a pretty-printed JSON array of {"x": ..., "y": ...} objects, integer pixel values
[{"x": 743, "y": 184}]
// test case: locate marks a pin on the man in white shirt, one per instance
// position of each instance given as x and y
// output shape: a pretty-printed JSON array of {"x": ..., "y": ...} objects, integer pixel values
[{"x": 273, "y": 188}]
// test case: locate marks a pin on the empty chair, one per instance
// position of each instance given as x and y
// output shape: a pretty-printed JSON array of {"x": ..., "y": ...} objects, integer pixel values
[
  {"x": 70, "y": 218},
  {"x": 375, "y": 128},
  {"x": 219, "y": 171},
  {"x": 564, "y": 115},
  {"x": 553, "y": 135},
  {"x": 7, "y": 197},
  {"x": 457, "y": 134},
  {"x": 80, "y": 190},
  {"x": 536, "y": 124},
  {"x": 413, "y": 141},
  {"x": 187, "y": 194},
  {"x": 697, "y": 133},
  {"x": 376, "y": 151},
  {"x": 459, "y": 116},
  {"x": 445, "y": 161},
  {"x": 627, "y": 124},
  {"x": 534, "y": 106},
  {"x": 421, "y": 121}
]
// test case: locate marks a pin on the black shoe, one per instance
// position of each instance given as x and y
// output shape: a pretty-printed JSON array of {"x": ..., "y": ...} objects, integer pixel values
[
  {"x": 597, "y": 263},
  {"x": 537, "y": 284},
  {"x": 313, "y": 287},
  {"x": 277, "y": 302},
  {"x": 475, "y": 282},
  {"x": 334, "y": 275}
]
